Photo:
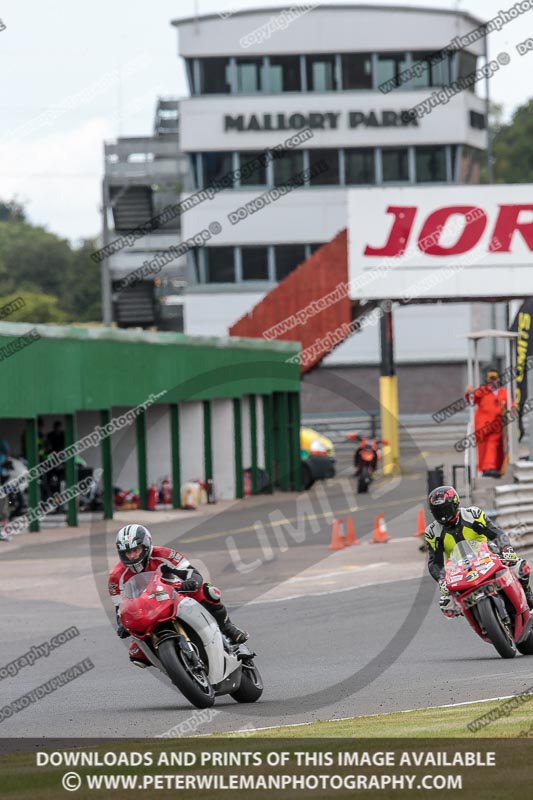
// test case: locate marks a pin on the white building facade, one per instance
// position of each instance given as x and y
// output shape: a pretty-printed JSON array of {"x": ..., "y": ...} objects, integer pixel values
[{"x": 339, "y": 73}]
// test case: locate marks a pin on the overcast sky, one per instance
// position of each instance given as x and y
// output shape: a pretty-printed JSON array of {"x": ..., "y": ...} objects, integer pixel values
[{"x": 74, "y": 74}]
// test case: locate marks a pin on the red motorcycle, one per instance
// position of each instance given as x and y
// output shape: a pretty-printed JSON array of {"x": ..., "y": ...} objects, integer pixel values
[
  {"x": 181, "y": 638},
  {"x": 366, "y": 459},
  {"x": 490, "y": 597}
]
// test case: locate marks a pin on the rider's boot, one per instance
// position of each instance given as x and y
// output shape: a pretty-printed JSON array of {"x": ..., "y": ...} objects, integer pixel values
[{"x": 220, "y": 613}]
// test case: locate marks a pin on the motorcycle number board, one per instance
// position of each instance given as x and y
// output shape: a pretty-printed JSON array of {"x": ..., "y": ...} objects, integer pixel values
[{"x": 455, "y": 242}]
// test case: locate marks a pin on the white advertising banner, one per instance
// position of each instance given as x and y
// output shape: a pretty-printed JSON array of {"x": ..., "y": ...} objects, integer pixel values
[{"x": 433, "y": 242}]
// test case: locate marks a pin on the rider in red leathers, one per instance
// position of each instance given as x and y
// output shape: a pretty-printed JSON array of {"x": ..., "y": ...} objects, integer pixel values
[{"x": 137, "y": 554}]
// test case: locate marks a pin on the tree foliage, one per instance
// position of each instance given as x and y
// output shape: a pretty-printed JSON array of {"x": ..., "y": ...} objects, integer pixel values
[
  {"x": 58, "y": 283},
  {"x": 512, "y": 147}
]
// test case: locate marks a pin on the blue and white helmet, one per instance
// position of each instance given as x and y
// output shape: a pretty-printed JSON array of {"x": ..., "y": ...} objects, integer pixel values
[{"x": 129, "y": 538}]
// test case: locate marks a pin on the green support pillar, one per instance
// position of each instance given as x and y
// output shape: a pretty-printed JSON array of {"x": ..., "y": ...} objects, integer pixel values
[
  {"x": 296, "y": 458},
  {"x": 237, "y": 441},
  {"x": 208, "y": 448},
  {"x": 107, "y": 465},
  {"x": 140, "y": 423},
  {"x": 71, "y": 472},
  {"x": 253, "y": 442},
  {"x": 32, "y": 458},
  {"x": 175, "y": 454},
  {"x": 283, "y": 440},
  {"x": 268, "y": 435}
]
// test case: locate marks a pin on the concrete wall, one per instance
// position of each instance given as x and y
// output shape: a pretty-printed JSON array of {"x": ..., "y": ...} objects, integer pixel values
[
  {"x": 422, "y": 389},
  {"x": 158, "y": 456},
  {"x": 246, "y": 442},
  {"x": 124, "y": 453},
  {"x": 223, "y": 442},
  {"x": 191, "y": 441}
]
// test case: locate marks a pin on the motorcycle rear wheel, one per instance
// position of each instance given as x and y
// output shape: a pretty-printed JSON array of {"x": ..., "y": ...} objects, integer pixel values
[
  {"x": 497, "y": 632},
  {"x": 200, "y": 694},
  {"x": 526, "y": 647},
  {"x": 251, "y": 687}
]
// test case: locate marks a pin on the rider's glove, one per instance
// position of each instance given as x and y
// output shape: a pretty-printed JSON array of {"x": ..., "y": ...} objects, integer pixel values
[
  {"x": 190, "y": 585},
  {"x": 122, "y": 632},
  {"x": 509, "y": 554}
]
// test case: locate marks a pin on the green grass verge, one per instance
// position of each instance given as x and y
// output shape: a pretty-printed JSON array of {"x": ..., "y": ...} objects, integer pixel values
[{"x": 424, "y": 723}]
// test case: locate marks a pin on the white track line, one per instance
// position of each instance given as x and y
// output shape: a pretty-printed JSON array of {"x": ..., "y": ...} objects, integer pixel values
[{"x": 364, "y": 716}]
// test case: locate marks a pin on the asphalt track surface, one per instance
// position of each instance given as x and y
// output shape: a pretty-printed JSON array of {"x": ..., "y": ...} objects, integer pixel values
[{"x": 337, "y": 634}]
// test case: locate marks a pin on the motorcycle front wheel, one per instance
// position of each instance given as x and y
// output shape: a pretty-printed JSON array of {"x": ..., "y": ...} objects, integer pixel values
[
  {"x": 192, "y": 684},
  {"x": 496, "y": 629}
]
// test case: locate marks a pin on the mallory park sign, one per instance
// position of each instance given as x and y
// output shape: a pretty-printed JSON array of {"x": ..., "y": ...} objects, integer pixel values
[{"x": 325, "y": 122}]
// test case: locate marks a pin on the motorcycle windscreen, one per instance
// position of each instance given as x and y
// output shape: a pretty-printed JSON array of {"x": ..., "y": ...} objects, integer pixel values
[
  {"x": 136, "y": 585},
  {"x": 207, "y": 629},
  {"x": 468, "y": 550}
]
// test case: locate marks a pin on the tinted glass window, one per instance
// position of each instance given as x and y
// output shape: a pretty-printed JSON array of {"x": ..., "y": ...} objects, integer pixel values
[
  {"x": 220, "y": 265},
  {"x": 288, "y": 257},
  {"x": 356, "y": 71},
  {"x": 214, "y": 76},
  {"x": 284, "y": 74},
  {"x": 466, "y": 66},
  {"x": 321, "y": 73},
  {"x": 325, "y": 164},
  {"x": 287, "y": 165},
  {"x": 389, "y": 66},
  {"x": 430, "y": 164},
  {"x": 249, "y": 72},
  {"x": 359, "y": 166},
  {"x": 395, "y": 164},
  {"x": 216, "y": 166},
  {"x": 253, "y": 168},
  {"x": 254, "y": 263}
]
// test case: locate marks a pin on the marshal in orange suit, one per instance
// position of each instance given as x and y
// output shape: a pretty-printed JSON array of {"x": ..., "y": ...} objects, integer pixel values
[{"x": 490, "y": 401}]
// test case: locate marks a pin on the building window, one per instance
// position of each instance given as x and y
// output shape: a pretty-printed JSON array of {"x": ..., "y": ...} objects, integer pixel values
[
  {"x": 287, "y": 165},
  {"x": 321, "y": 73},
  {"x": 216, "y": 166},
  {"x": 389, "y": 67},
  {"x": 430, "y": 164},
  {"x": 477, "y": 120},
  {"x": 359, "y": 165},
  {"x": 284, "y": 74},
  {"x": 214, "y": 74},
  {"x": 326, "y": 164},
  {"x": 466, "y": 66},
  {"x": 219, "y": 265},
  {"x": 249, "y": 71},
  {"x": 254, "y": 263},
  {"x": 441, "y": 70},
  {"x": 470, "y": 164},
  {"x": 395, "y": 164},
  {"x": 253, "y": 168},
  {"x": 356, "y": 70},
  {"x": 314, "y": 247},
  {"x": 288, "y": 257}
]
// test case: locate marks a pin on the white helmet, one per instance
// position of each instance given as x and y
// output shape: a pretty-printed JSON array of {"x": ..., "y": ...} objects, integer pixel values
[{"x": 130, "y": 537}]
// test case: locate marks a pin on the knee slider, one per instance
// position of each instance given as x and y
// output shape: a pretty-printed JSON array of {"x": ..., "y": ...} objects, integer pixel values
[{"x": 212, "y": 593}]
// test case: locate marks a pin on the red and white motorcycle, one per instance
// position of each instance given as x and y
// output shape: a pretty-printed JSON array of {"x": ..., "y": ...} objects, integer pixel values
[
  {"x": 490, "y": 597},
  {"x": 181, "y": 638}
]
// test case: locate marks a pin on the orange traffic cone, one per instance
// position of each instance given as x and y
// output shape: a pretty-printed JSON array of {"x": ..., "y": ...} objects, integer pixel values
[
  {"x": 350, "y": 537},
  {"x": 380, "y": 530},
  {"x": 337, "y": 542},
  {"x": 421, "y": 523}
]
